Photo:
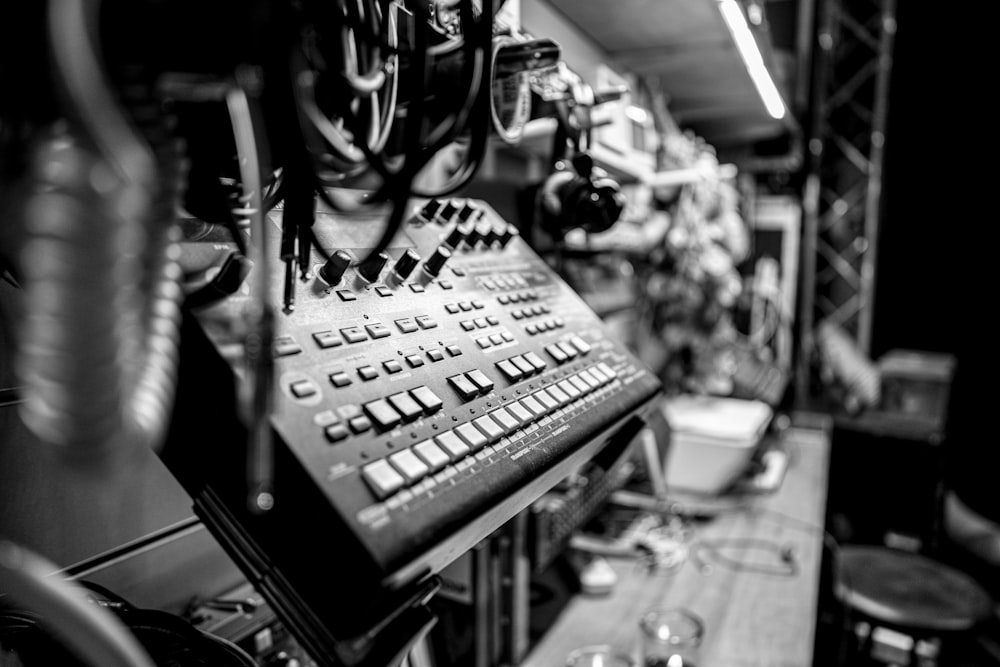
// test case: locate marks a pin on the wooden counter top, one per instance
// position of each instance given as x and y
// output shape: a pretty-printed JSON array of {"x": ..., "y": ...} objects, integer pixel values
[{"x": 759, "y": 611}]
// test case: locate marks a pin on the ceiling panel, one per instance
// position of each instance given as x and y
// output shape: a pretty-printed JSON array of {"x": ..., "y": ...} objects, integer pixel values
[{"x": 684, "y": 48}]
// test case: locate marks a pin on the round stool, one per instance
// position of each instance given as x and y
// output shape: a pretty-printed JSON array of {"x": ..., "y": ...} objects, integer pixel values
[{"x": 907, "y": 594}]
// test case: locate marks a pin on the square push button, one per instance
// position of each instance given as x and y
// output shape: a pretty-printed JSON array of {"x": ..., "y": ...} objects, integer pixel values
[
  {"x": 464, "y": 387},
  {"x": 377, "y": 330},
  {"x": 391, "y": 366},
  {"x": 415, "y": 361},
  {"x": 589, "y": 379},
  {"x": 533, "y": 406},
  {"x": 558, "y": 394},
  {"x": 580, "y": 344},
  {"x": 335, "y": 432},
  {"x": 435, "y": 355},
  {"x": 506, "y": 420},
  {"x": 543, "y": 397},
  {"x": 326, "y": 339},
  {"x": 509, "y": 370},
  {"x": 347, "y": 295},
  {"x": 427, "y": 399},
  {"x": 431, "y": 454},
  {"x": 521, "y": 414},
  {"x": 367, "y": 373},
  {"x": 303, "y": 388},
  {"x": 382, "y": 478},
  {"x": 359, "y": 424},
  {"x": 471, "y": 436},
  {"x": 568, "y": 349},
  {"x": 601, "y": 378},
  {"x": 522, "y": 364},
  {"x": 580, "y": 384},
  {"x": 490, "y": 428},
  {"x": 556, "y": 353},
  {"x": 408, "y": 465},
  {"x": 453, "y": 351},
  {"x": 452, "y": 445},
  {"x": 353, "y": 334},
  {"x": 406, "y": 325},
  {"x": 480, "y": 379},
  {"x": 426, "y": 322},
  {"x": 406, "y": 406},
  {"x": 569, "y": 389},
  {"x": 382, "y": 414},
  {"x": 340, "y": 379},
  {"x": 535, "y": 361},
  {"x": 285, "y": 346}
]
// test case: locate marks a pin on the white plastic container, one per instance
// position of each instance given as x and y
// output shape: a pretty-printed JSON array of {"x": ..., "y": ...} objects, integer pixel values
[{"x": 712, "y": 440}]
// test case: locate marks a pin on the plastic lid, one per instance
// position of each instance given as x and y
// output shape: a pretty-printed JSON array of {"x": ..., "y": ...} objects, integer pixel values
[{"x": 717, "y": 417}]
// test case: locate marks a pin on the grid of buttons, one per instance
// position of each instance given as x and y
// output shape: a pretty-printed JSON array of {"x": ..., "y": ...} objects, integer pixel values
[
  {"x": 542, "y": 326},
  {"x": 517, "y": 297},
  {"x": 426, "y": 464},
  {"x": 464, "y": 306},
  {"x": 530, "y": 311},
  {"x": 498, "y": 338},
  {"x": 504, "y": 282},
  {"x": 565, "y": 350},
  {"x": 520, "y": 366},
  {"x": 404, "y": 406}
]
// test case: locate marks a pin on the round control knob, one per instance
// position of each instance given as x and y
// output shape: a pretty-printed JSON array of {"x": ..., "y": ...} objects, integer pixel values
[
  {"x": 446, "y": 212},
  {"x": 334, "y": 268},
  {"x": 484, "y": 229},
  {"x": 430, "y": 209},
  {"x": 469, "y": 211},
  {"x": 404, "y": 265},
  {"x": 472, "y": 236},
  {"x": 456, "y": 236},
  {"x": 436, "y": 262},
  {"x": 509, "y": 235},
  {"x": 371, "y": 268},
  {"x": 497, "y": 230}
]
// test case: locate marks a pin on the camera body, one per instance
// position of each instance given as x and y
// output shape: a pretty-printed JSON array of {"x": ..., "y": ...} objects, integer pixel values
[{"x": 579, "y": 195}]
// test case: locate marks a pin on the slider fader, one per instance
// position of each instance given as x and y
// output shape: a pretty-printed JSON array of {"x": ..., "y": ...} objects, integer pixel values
[{"x": 422, "y": 398}]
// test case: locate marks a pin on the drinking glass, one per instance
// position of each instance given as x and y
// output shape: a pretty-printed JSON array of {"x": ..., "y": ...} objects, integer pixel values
[
  {"x": 598, "y": 656},
  {"x": 670, "y": 637}
]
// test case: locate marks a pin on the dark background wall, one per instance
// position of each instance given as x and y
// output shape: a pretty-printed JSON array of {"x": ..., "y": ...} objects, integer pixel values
[{"x": 938, "y": 252}]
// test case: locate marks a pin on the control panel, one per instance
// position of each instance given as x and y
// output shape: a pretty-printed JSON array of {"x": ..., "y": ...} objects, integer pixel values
[{"x": 422, "y": 397}]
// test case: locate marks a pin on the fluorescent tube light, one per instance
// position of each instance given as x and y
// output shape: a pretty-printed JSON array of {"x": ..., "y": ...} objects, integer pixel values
[{"x": 732, "y": 14}]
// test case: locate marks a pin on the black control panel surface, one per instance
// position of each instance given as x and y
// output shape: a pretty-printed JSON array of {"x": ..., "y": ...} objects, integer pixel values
[{"x": 421, "y": 399}]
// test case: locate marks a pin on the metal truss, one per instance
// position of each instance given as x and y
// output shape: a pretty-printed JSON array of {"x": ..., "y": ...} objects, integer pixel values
[{"x": 841, "y": 200}]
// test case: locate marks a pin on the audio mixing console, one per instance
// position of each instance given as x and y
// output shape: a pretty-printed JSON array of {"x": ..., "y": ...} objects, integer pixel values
[{"x": 422, "y": 398}]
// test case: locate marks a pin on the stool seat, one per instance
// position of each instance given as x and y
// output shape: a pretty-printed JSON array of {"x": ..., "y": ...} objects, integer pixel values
[{"x": 909, "y": 590}]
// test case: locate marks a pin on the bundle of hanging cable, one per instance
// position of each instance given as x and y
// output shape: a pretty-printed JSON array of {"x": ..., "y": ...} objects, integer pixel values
[{"x": 381, "y": 86}]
